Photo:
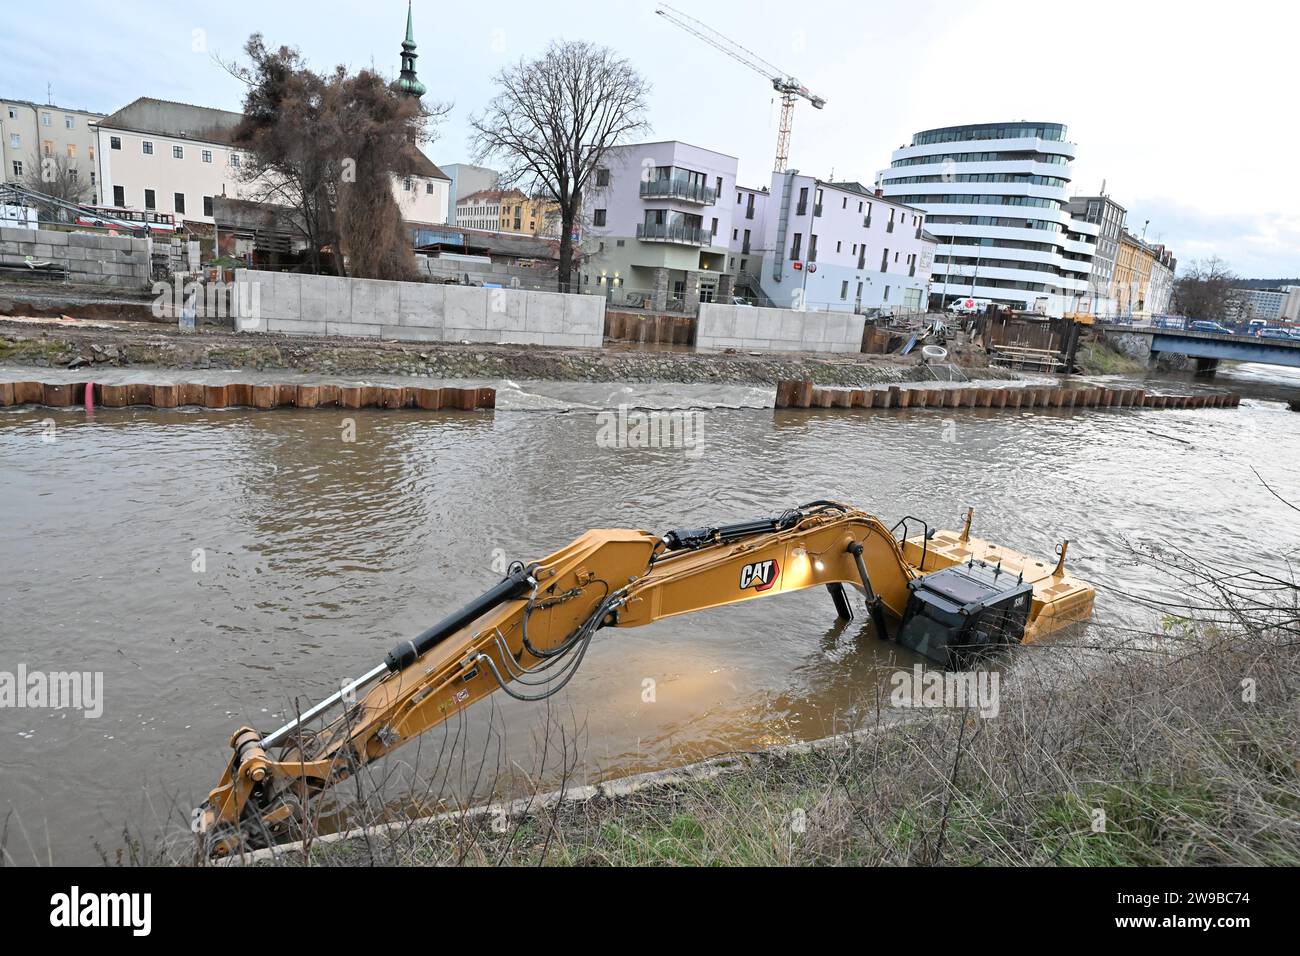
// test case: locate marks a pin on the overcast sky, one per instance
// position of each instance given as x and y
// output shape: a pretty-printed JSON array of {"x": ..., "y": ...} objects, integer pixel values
[{"x": 1186, "y": 110}]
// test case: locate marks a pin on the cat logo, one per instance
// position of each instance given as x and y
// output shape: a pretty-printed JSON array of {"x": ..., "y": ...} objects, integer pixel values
[{"x": 760, "y": 575}]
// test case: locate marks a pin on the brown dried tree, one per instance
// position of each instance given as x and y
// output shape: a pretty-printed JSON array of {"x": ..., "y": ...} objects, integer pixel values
[{"x": 552, "y": 122}]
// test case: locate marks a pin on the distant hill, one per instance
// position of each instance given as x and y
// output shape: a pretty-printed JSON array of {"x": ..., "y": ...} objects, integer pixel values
[{"x": 1264, "y": 283}]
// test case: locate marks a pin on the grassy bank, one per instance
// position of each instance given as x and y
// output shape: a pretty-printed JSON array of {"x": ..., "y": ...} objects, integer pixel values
[
  {"x": 1099, "y": 357},
  {"x": 1142, "y": 756}
]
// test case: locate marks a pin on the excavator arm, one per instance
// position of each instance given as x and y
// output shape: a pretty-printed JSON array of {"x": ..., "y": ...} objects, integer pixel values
[{"x": 527, "y": 636}]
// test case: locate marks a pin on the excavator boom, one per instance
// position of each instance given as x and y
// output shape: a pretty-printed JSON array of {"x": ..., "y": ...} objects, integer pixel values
[{"x": 527, "y": 635}]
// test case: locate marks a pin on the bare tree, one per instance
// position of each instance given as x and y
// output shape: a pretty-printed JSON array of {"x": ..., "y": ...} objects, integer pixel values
[
  {"x": 59, "y": 178},
  {"x": 1205, "y": 289},
  {"x": 552, "y": 122}
]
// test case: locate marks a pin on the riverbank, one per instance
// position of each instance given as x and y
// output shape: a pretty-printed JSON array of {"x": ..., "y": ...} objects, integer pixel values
[
  {"x": 55, "y": 344},
  {"x": 1178, "y": 754}
]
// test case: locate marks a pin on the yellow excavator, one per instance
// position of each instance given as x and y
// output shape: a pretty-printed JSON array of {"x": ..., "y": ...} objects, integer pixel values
[{"x": 951, "y": 598}]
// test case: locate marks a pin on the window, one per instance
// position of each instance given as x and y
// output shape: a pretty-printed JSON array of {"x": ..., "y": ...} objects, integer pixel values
[
  {"x": 178, "y": 152},
  {"x": 844, "y": 290},
  {"x": 146, "y": 147},
  {"x": 207, "y": 205},
  {"x": 206, "y": 156},
  {"x": 47, "y": 147},
  {"x": 738, "y": 197},
  {"x": 598, "y": 217},
  {"x": 812, "y": 248},
  {"x": 148, "y": 199},
  {"x": 796, "y": 245},
  {"x": 72, "y": 174},
  {"x": 838, "y": 245},
  {"x": 179, "y": 201},
  {"x": 119, "y": 196},
  {"x": 735, "y": 234},
  {"x": 234, "y": 160},
  {"x": 428, "y": 189},
  {"x": 72, "y": 151},
  {"x": 602, "y": 177},
  {"x": 45, "y": 119},
  {"x": 15, "y": 141},
  {"x": 408, "y": 184},
  {"x": 115, "y": 142},
  {"x": 92, "y": 177},
  {"x": 69, "y": 122},
  {"x": 13, "y": 114},
  {"x": 713, "y": 229},
  {"x": 884, "y": 262},
  {"x": 18, "y": 169},
  {"x": 845, "y": 204}
]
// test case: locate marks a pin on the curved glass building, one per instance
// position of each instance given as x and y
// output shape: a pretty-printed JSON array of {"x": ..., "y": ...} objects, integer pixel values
[{"x": 995, "y": 196}]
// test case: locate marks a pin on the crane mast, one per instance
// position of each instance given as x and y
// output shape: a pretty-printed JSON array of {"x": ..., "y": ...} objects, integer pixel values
[{"x": 785, "y": 84}]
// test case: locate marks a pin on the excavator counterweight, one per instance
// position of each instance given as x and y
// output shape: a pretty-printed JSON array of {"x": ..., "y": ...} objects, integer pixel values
[{"x": 948, "y": 596}]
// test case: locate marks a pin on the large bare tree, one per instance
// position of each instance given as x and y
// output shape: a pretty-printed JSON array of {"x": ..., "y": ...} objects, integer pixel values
[
  {"x": 327, "y": 146},
  {"x": 553, "y": 120},
  {"x": 1204, "y": 289}
]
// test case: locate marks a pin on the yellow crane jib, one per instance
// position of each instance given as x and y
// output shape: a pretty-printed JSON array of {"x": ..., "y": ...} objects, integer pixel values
[{"x": 940, "y": 593}]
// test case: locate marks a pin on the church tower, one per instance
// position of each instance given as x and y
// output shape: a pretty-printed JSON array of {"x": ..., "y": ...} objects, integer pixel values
[{"x": 407, "y": 82}]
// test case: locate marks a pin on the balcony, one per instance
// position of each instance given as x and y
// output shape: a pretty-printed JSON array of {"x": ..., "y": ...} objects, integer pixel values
[
  {"x": 674, "y": 233},
  {"x": 817, "y": 209},
  {"x": 801, "y": 209},
  {"x": 679, "y": 189}
]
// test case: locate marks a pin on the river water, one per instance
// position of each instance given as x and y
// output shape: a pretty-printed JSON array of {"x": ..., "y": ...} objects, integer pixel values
[{"x": 217, "y": 566}]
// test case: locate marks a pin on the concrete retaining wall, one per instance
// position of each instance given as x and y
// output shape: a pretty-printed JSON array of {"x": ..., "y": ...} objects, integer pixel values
[
  {"x": 88, "y": 257},
  {"x": 777, "y": 330},
  {"x": 417, "y": 311}
]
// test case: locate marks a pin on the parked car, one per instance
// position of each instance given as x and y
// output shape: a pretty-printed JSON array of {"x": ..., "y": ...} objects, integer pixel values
[
  {"x": 740, "y": 300},
  {"x": 1204, "y": 326}
]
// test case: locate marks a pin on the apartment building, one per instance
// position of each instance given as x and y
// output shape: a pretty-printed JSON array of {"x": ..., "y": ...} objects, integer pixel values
[
  {"x": 1108, "y": 216},
  {"x": 1143, "y": 283},
  {"x": 465, "y": 180},
  {"x": 656, "y": 222},
  {"x": 31, "y": 132},
  {"x": 805, "y": 243},
  {"x": 511, "y": 210},
  {"x": 158, "y": 155}
]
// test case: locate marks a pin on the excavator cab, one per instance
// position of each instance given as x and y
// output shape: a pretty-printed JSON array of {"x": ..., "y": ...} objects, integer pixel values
[{"x": 962, "y": 613}]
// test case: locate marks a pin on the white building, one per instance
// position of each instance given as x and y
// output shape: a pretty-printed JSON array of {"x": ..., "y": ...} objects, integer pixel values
[
  {"x": 157, "y": 155},
  {"x": 995, "y": 196},
  {"x": 656, "y": 223},
  {"x": 466, "y": 180},
  {"x": 830, "y": 246}
]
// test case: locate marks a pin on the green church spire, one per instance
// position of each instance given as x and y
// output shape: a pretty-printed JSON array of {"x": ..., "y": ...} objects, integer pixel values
[{"x": 408, "y": 82}]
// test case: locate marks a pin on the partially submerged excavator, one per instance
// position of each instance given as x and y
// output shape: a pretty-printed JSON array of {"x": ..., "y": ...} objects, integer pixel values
[{"x": 950, "y": 597}]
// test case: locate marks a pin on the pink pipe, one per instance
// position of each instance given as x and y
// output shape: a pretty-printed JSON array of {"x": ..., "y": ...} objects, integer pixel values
[{"x": 90, "y": 396}]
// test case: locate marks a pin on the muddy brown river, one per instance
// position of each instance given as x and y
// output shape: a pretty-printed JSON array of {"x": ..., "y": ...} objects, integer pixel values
[{"x": 216, "y": 567}]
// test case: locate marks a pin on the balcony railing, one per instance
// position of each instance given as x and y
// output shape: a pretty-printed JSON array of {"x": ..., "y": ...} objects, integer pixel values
[
  {"x": 669, "y": 232},
  {"x": 678, "y": 189},
  {"x": 801, "y": 209},
  {"x": 817, "y": 209}
]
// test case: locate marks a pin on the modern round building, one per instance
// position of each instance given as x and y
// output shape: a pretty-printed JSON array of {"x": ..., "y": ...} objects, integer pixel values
[{"x": 995, "y": 197}]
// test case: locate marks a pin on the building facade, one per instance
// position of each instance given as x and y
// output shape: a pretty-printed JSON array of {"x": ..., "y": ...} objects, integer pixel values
[
  {"x": 496, "y": 210},
  {"x": 805, "y": 243},
  {"x": 1109, "y": 217},
  {"x": 655, "y": 226},
  {"x": 33, "y": 132},
  {"x": 995, "y": 195},
  {"x": 464, "y": 181},
  {"x": 176, "y": 158},
  {"x": 1143, "y": 284}
]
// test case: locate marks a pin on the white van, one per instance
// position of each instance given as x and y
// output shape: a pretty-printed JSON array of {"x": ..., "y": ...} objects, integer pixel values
[{"x": 967, "y": 305}]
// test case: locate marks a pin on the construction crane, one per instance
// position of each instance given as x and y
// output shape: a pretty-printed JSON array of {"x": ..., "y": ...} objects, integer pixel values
[{"x": 782, "y": 82}]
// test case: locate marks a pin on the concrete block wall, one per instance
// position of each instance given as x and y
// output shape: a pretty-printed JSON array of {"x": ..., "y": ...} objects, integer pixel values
[
  {"x": 297, "y": 304},
  {"x": 88, "y": 257},
  {"x": 777, "y": 330}
]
